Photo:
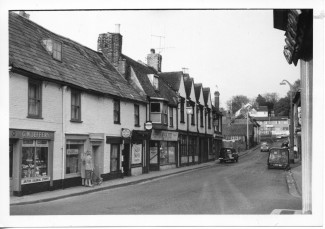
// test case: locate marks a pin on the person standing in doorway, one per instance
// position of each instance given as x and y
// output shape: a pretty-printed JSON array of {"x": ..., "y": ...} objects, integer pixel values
[
  {"x": 89, "y": 167},
  {"x": 83, "y": 168}
]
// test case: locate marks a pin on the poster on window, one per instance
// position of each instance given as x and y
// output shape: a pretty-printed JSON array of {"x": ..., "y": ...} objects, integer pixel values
[{"x": 136, "y": 153}]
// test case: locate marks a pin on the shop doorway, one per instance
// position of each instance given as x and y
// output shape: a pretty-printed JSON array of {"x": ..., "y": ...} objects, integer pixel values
[
  {"x": 95, "y": 157},
  {"x": 11, "y": 159},
  {"x": 154, "y": 155},
  {"x": 126, "y": 160}
]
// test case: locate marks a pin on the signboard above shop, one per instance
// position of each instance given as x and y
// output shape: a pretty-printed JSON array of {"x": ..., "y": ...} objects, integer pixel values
[{"x": 162, "y": 135}]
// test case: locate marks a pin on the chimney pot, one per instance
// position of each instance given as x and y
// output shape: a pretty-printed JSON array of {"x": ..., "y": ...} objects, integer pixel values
[{"x": 153, "y": 51}]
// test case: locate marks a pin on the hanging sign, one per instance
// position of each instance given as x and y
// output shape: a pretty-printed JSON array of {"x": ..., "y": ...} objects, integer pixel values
[
  {"x": 126, "y": 133},
  {"x": 148, "y": 125}
]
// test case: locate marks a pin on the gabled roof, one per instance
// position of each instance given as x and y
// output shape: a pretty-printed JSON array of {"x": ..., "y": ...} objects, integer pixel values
[
  {"x": 197, "y": 89},
  {"x": 206, "y": 93},
  {"x": 142, "y": 70},
  {"x": 188, "y": 81},
  {"x": 173, "y": 79},
  {"x": 80, "y": 66}
]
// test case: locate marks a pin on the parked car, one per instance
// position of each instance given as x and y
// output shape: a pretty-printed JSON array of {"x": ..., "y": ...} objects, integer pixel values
[
  {"x": 228, "y": 154},
  {"x": 278, "y": 158},
  {"x": 265, "y": 147}
]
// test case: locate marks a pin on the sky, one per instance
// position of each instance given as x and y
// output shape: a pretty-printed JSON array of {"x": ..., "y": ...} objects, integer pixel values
[{"x": 237, "y": 52}]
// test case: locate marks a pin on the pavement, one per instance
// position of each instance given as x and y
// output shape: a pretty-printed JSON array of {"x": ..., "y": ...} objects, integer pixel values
[{"x": 293, "y": 180}]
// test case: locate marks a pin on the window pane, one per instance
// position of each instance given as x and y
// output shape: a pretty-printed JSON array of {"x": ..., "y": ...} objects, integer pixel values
[
  {"x": 163, "y": 153},
  {"x": 114, "y": 157},
  {"x": 34, "y": 99},
  {"x": 73, "y": 161},
  {"x": 171, "y": 152},
  {"x": 155, "y": 107}
]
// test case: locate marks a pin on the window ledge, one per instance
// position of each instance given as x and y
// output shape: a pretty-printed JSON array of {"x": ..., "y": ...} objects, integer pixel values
[
  {"x": 76, "y": 121},
  {"x": 34, "y": 117},
  {"x": 182, "y": 122},
  {"x": 117, "y": 123},
  {"x": 192, "y": 124},
  {"x": 137, "y": 125}
]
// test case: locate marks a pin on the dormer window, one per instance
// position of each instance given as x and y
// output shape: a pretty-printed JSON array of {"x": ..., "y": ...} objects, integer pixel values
[
  {"x": 54, "y": 48},
  {"x": 154, "y": 80}
]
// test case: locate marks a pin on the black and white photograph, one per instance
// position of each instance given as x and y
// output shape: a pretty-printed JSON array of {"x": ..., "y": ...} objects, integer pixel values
[{"x": 139, "y": 114}]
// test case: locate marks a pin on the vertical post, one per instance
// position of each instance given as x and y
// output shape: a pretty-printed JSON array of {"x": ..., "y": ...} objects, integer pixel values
[
  {"x": 291, "y": 121},
  {"x": 247, "y": 133},
  {"x": 306, "y": 69}
]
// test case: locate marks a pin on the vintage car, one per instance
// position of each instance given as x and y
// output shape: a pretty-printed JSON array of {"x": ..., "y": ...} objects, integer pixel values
[
  {"x": 278, "y": 158},
  {"x": 265, "y": 147},
  {"x": 228, "y": 154}
]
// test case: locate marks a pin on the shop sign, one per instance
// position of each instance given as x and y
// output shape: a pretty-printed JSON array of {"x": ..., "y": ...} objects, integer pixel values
[
  {"x": 34, "y": 180},
  {"x": 72, "y": 151},
  {"x": 126, "y": 133},
  {"x": 148, "y": 125},
  {"x": 136, "y": 153},
  {"x": 31, "y": 134},
  {"x": 164, "y": 135}
]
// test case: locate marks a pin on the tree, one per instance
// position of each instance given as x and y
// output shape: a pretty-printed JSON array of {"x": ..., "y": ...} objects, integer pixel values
[
  {"x": 236, "y": 102},
  {"x": 260, "y": 100},
  {"x": 296, "y": 86},
  {"x": 271, "y": 99},
  {"x": 282, "y": 107}
]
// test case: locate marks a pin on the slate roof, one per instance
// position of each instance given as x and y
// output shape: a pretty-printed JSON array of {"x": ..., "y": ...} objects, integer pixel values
[
  {"x": 206, "y": 92},
  {"x": 142, "y": 71},
  {"x": 237, "y": 129},
  {"x": 197, "y": 89},
  {"x": 262, "y": 108},
  {"x": 80, "y": 66},
  {"x": 173, "y": 79}
]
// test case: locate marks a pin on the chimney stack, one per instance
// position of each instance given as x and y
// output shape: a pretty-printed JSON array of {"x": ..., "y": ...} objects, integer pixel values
[
  {"x": 154, "y": 60},
  {"x": 23, "y": 14},
  {"x": 110, "y": 44},
  {"x": 185, "y": 70},
  {"x": 216, "y": 100}
]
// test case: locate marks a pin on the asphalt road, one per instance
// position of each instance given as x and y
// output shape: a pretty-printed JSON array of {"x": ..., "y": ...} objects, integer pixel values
[{"x": 246, "y": 187}]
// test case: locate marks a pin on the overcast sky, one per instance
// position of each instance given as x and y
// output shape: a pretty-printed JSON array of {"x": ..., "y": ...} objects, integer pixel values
[{"x": 237, "y": 50}]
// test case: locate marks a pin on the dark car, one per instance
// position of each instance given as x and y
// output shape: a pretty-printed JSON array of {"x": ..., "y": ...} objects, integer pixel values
[
  {"x": 278, "y": 158},
  {"x": 228, "y": 154}
]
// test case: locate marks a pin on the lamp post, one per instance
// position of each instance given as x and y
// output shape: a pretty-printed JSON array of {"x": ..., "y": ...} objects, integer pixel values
[
  {"x": 284, "y": 82},
  {"x": 189, "y": 111}
]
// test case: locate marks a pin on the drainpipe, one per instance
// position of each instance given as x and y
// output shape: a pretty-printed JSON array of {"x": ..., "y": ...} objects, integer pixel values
[{"x": 64, "y": 88}]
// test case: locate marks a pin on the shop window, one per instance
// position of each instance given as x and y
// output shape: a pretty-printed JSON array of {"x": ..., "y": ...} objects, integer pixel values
[
  {"x": 34, "y": 158},
  {"x": 117, "y": 111},
  {"x": 154, "y": 152},
  {"x": 74, "y": 149},
  {"x": 115, "y": 152},
  {"x": 136, "y": 115},
  {"x": 183, "y": 145},
  {"x": 75, "y": 106},
  {"x": 167, "y": 152},
  {"x": 192, "y": 146},
  {"x": 34, "y": 99}
]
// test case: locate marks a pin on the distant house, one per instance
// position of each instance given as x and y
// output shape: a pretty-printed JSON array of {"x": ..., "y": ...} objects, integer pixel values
[
  {"x": 277, "y": 126},
  {"x": 261, "y": 111}
]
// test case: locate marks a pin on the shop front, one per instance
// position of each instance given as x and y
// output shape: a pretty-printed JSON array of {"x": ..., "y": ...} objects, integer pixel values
[
  {"x": 163, "y": 150},
  {"x": 139, "y": 162},
  {"x": 217, "y": 144},
  {"x": 30, "y": 161}
]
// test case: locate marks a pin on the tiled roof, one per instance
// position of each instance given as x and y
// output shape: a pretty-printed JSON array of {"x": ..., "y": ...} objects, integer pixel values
[
  {"x": 142, "y": 71},
  {"x": 206, "y": 92},
  {"x": 173, "y": 79},
  {"x": 80, "y": 66},
  {"x": 275, "y": 118},
  {"x": 236, "y": 129},
  {"x": 262, "y": 108},
  {"x": 197, "y": 89}
]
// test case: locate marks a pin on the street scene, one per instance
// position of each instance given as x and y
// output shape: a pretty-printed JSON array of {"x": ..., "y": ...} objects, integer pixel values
[
  {"x": 194, "y": 112},
  {"x": 247, "y": 187}
]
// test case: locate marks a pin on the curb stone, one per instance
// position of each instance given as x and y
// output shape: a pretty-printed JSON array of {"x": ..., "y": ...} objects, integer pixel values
[{"x": 292, "y": 185}]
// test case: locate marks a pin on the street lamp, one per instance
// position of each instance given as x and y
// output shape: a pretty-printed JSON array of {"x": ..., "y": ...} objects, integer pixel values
[{"x": 284, "y": 82}]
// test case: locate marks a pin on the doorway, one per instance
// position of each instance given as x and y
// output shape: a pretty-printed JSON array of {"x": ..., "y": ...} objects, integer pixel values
[{"x": 126, "y": 159}]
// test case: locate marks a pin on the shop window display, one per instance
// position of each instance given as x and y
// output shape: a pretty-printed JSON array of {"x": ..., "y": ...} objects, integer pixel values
[
  {"x": 167, "y": 152},
  {"x": 73, "y": 152},
  {"x": 34, "y": 158}
]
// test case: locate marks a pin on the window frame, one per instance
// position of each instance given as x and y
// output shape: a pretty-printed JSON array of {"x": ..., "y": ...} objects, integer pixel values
[
  {"x": 56, "y": 51},
  {"x": 182, "y": 111},
  {"x": 117, "y": 112},
  {"x": 136, "y": 115},
  {"x": 201, "y": 116},
  {"x": 155, "y": 112},
  {"x": 171, "y": 116},
  {"x": 209, "y": 119},
  {"x": 193, "y": 115},
  {"x": 74, "y": 106},
  {"x": 38, "y": 98},
  {"x": 165, "y": 114}
]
